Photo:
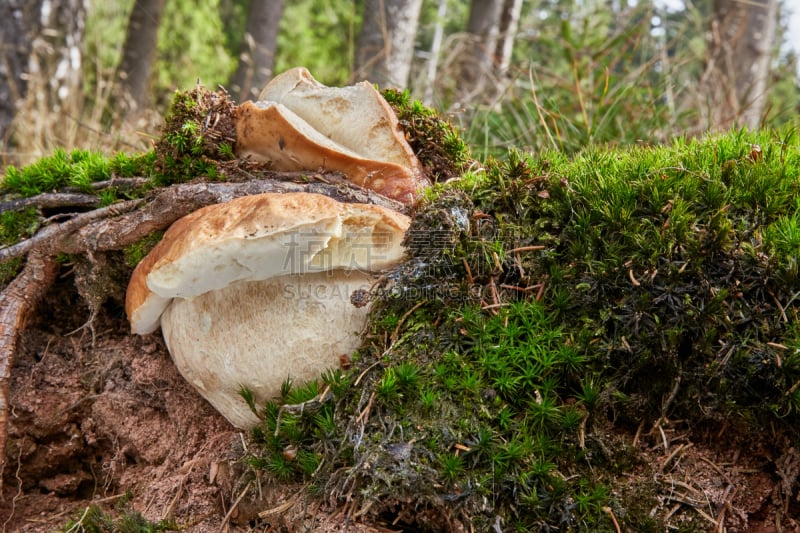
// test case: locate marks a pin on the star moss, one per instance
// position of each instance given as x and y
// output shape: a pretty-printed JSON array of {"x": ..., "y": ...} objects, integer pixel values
[{"x": 544, "y": 296}]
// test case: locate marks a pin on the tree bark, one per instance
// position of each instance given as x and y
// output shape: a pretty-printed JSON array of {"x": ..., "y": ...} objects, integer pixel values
[
  {"x": 257, "y": 55},
  {"x": 41, "y": 49},
  {"x": 436, "y": 47},
  {"x": 385, "y": 44},
  {"x": 138, "y": 55},
  {"x": 737, "y": 69}
]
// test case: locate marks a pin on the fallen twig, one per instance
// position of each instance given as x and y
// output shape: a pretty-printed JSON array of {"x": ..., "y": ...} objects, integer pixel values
[
  {"x": 680, "y": 449},
  {"x": 396, "y": 332},
  {"x": 610, "y": 513},
  {"x": 119, "y": 225},
  {"x": 47, "y": 239},
  {"x": 50, "y": 200},
  {"x": 233, "y": 507}
]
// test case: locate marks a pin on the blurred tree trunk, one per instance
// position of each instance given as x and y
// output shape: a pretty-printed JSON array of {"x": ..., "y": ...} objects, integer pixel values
[
  {"x": 17, "y": 23},
  {"x": 508, "y": 25},
  {"x": 257, "y": 55},
  {"x": 385, "y": 44},
  {"x": 138, "y": 55},
  {"x": 742, "y": 40},
  {"x": 41, "y": 49},
  {"x": 436, "y": 47},
  {"x": 476, "y": 63}
]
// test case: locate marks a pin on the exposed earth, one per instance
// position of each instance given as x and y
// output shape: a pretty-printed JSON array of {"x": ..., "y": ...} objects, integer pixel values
[{"x": 101, "y": 416}]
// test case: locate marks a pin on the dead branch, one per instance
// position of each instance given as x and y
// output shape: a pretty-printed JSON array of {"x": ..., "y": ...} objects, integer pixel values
[
  {"x": 121, "y": 224},
  {"x": 17, "y": 301},
  {"x": 124, "y": 184},
  {"x": 46, "y": 240},
  {"x": 50, "y": 200}
]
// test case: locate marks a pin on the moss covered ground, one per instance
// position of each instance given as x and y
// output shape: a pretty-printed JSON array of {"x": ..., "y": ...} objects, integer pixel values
[
  {"x": 546, "y": 303},
  {"x": 547, "y": 300}
]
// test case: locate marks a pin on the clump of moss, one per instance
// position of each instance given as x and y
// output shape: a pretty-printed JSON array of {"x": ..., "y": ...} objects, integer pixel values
[
  {"x": 133, "y": 165},
  {"x": 94, "y": 520},
  {"x": 14, "y": 227},
  {"x": 137, "y": 251},
  {"x": 292, "y": 444},
  {"x": 199, "y": 133},
  {"x": 436, "y": 142},
  {"x": 78, "y": 169},
  {"x": 674, "y": 266},
  {"x": 544, "y": 296}
]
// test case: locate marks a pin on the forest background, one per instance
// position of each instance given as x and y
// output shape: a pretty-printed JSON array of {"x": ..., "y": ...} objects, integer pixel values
[
  {"x": 523, "y": 73},
  {"x": 536, "y": 75}
]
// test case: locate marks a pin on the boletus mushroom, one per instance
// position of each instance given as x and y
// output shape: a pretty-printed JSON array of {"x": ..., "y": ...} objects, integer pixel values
[
  {"x": 300, "y": 124},
  {"x": 254, "y": 291}
]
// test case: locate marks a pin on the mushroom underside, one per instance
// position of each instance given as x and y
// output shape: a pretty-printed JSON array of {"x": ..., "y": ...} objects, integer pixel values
[{"x": 256, "y": 334}]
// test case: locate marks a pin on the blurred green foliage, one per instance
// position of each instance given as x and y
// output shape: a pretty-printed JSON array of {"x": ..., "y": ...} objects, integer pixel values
[
  {"x": 598, "y": 73},
  {"x": 582, "y": 73}
]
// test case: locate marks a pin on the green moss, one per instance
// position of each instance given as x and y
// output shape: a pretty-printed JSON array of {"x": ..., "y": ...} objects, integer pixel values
[
  {"x": 435, "y": 141},
  {"x": 137, "y": 251},
  {"x": 14, "y": 227},
  {"x": 544, "y": 296},
  {"x": 663, "y": 256},
  {"x": 133, "y": 165},
  {"x": 199, "y": 133},
  {"x": 9, "y": 270},
  {"x": 123, "y": 520},
  {"x": 78, "y": 168}
]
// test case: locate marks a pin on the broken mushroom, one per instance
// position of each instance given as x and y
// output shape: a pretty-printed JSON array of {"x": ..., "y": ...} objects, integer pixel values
[
  {"x": 300, "y": 124},
  {"x": 257, "y": 290}
]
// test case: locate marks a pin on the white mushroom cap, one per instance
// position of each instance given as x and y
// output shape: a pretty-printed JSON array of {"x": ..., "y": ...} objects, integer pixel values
[{"x": 256, "y": 290}]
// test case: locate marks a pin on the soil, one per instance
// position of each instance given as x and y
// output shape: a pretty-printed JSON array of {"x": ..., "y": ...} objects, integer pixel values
[{"x": 99, "y": 416}]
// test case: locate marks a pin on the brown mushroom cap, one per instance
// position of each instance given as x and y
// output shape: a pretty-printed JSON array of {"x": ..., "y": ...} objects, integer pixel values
[
  {"x": 356, "y": 117},
  {"x": 300, "y": 124},
  {"x": 259, "y": 237},
  {"x": 270, "y": 132}
]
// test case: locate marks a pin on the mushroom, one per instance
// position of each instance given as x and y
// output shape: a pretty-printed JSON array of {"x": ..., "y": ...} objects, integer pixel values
[
  {"x": 255, "y": 290},
  {"x": 298, "y": 124}
]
